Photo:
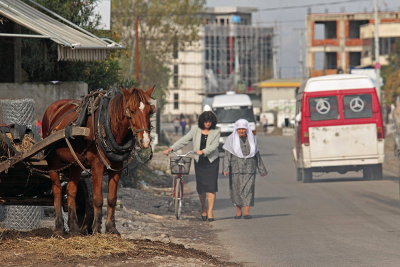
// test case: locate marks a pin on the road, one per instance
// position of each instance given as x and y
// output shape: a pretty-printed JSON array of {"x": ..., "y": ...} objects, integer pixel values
[{"x": 338, "y": 220}]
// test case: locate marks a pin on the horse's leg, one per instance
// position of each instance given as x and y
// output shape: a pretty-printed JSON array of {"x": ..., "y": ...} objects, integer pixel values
[
  {"x": 57, "y": 197},
  {"x": 72, "y": 189},
  {"x": 112, "y": 201},
  {"x": 97, "y": 176}
]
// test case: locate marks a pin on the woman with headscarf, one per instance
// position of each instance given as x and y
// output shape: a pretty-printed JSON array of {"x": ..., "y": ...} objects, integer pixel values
[
  {"x": 242, "y": 160},
  {"x": 205, "y": 140}
]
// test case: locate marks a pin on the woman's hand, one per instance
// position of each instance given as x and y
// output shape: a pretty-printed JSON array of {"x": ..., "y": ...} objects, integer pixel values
[
  {"x": 199, "y": 152},
  {"x": 225, "y": 173},
  {"x": 167, "y": 151}
]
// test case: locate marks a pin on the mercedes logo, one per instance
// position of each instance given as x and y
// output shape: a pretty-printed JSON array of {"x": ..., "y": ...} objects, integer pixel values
[
  {"x": 323, "y": 106},
  {"x": 356, "y": 104}
]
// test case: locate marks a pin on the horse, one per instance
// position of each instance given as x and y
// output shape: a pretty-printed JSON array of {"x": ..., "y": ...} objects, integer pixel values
[{"x": 118, "y": 123}]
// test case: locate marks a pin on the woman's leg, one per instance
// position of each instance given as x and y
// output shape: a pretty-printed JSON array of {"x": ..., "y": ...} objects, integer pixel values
[
  {"x": 246, "y": 210},
  {"x": 211, "y": 199},
  {"x": 238, "y": 210},
  {"x": 202, "y": 197}
]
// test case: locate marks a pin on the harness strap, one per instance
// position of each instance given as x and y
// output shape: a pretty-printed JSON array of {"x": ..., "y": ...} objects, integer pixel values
[{"x": 75, "y": 156}]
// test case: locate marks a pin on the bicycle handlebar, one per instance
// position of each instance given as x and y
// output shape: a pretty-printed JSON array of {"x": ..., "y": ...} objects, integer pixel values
[{"x": 183, "y": 155}]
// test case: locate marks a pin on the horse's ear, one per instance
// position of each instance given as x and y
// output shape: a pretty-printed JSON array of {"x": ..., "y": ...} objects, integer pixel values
[
  {"x": 125, "y": 92},
  {"x": 149, "y": 91}
]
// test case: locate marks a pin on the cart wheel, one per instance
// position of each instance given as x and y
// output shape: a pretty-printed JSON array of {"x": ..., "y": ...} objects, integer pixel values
[
  {"x": 178, "y": 198},
  {"x": 84, "y": 205}
]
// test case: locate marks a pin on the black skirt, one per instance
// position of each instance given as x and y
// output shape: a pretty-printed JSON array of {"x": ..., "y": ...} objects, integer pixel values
[{"x": 206, "y": 175}]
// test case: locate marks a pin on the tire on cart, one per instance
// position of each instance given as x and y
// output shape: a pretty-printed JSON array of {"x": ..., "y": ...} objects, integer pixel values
[{"x": 84, "y": 206}]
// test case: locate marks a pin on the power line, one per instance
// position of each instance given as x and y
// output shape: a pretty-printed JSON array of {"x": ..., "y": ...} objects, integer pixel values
[{"x": 311, "y": 5}]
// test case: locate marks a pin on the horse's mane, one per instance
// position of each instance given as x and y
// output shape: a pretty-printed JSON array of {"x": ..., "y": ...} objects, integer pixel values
[{"x": 116, "y": 105}]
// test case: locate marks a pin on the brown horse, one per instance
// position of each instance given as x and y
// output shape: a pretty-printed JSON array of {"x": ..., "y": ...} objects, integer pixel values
[{"x": 117, "y": 123}]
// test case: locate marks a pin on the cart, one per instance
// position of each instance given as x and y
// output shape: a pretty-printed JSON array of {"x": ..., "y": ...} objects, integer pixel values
[{"x": 24, "y": 176}]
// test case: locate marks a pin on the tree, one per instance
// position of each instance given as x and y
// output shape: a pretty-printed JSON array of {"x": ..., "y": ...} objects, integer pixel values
[
  {"x": 391, "y": 75},
  {"x": 164, "y": 27},
  {"x": 39, "y": 57}
]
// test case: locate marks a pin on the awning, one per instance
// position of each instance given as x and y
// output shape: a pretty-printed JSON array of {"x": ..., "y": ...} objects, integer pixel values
[
  {"x": 74, "y": 43},
  {"x": 279, "y": 83}
]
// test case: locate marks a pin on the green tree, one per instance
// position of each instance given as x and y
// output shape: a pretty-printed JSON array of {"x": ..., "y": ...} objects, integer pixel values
[
  {"x": 391, "y": 75},
  {"x": 39, "y": 57},
  {"x": 164, "y": 28}
]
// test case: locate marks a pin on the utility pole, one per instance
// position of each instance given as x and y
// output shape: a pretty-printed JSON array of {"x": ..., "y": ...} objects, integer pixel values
[
  {"x": 377, "y": 65},
  {"x": 301, "y": 51}
]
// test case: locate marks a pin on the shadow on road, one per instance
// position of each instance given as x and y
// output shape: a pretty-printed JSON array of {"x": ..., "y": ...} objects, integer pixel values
[
  {"x": 254, "y": 217},
  {"x": 351, "y": 179},
  {"x": 222, "y": 203}
]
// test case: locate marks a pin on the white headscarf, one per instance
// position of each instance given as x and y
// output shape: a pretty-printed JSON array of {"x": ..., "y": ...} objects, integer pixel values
[{"x": 232, "y": 143}]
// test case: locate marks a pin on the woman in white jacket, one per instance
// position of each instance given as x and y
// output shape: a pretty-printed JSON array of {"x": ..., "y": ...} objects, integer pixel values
[{"x": 205, "y": 139}]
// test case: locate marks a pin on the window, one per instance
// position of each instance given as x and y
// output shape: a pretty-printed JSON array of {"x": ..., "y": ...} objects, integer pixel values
[
  {"x": 323, "y": 108},
  {"x": 354, "y": 59},
  {"x": 176, "y": 101},
  {"x": 357, "y": 106},
  {"x": 176, "y": 76},
  {"x": 233, "y": 113},
  {"x": 175, "y": 48}
]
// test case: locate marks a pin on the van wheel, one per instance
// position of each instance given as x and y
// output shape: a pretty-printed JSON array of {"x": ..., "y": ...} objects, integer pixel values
[
  {"x": 307, "y": 176},
  {"x": 377, "y": 172},
  {"x": 370, "y": 172},
  {"x": 299, "y": 174}
]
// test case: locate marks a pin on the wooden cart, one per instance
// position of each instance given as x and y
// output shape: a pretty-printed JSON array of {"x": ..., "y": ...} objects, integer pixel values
[{"x": 24, "y": 176}]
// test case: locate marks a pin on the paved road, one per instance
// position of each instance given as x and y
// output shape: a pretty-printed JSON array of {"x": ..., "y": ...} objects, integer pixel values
[{"x": 339, "y": 220}]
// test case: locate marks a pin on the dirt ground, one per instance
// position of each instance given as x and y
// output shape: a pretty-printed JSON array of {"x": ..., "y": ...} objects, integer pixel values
[{"x": 150, "y": 234}]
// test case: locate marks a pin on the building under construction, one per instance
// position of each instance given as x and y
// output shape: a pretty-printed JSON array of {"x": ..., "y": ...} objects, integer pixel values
[
  {"x": 232, "y": 54},
  {"x": 340, "y": 42},
  {"x": 237, "y": 54}
]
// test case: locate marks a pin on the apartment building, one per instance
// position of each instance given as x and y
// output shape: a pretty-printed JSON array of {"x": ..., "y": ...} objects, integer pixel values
[
  {"x": 231, "y": 54},
  {"x": 338, "y": 42}
]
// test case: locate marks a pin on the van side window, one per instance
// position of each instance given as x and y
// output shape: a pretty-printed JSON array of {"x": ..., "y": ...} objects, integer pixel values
[
  {"x": 357, "y": 106},
  {"x": 323, "y": 108}
]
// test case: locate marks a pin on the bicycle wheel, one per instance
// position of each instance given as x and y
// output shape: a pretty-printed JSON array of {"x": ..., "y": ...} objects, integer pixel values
[{"x": 178, "y": 197}]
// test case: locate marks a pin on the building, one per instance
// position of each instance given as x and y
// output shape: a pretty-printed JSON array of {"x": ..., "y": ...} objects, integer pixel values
[
  {"x": 232, "y": 54},
  {"x": 338, "y": 42},
  {"x": 279, "y": 96}
]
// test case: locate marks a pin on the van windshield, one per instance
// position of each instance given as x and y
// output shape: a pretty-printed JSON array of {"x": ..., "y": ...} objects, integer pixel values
[{"x": 232, "y": 114}]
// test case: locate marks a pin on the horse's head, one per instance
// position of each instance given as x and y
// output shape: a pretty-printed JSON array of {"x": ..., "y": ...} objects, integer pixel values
[{"x": 138, "y": 109}]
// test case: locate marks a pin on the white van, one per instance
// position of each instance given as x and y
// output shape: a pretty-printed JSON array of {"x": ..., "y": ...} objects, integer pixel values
[
  {"x": 229, "y": 108},
  {"x": 339, "y": 127}
]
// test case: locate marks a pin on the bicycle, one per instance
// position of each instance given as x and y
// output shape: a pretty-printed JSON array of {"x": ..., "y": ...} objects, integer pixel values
[{"x": 180, "y": 166}]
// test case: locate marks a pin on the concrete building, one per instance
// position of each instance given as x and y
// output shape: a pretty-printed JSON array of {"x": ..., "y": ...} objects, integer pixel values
[
  {"x": 339, "y": 42},
  {"x": 279, "y": 96},
  {"x": 230, "y": 55}
]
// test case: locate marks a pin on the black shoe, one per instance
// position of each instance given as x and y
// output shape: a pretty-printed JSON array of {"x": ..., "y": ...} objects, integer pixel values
[
  {"x": 204, "y": 218},
  {"x": 247, "y": 216},
  {"x": 210, "y": 219},
  {"x": 238, "y": 217}
]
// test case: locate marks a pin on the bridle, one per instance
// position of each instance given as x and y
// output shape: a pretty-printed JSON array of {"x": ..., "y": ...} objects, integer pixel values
[{"x": 129, "y": 114}]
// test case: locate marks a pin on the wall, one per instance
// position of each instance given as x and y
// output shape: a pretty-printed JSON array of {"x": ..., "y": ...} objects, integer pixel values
[{"x": 43, "y": 93}]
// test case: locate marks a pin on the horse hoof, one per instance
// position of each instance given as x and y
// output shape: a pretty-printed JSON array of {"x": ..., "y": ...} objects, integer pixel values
[
  {"x": 58, "y": 234},
  {"x": 113, "y": 231}
]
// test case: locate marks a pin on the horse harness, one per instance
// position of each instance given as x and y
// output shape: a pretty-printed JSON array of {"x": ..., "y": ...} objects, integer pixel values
[{"x": 96, "y": 105}]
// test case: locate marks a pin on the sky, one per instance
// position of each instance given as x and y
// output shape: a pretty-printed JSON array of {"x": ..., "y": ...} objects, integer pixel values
[{"x": 289, "y": 21}]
